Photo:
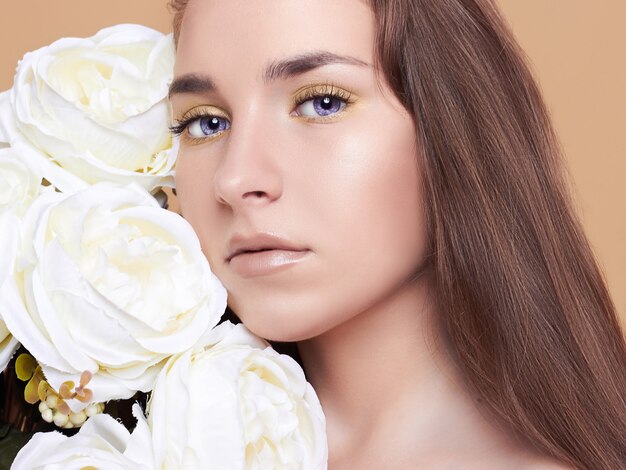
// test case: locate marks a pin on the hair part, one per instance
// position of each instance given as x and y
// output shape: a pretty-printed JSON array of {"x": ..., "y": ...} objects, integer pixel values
[{"x": 519, "y": 293}]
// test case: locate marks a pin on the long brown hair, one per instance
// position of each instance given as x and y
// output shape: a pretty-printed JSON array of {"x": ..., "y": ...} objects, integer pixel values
[{"x": 521, "y": 298}]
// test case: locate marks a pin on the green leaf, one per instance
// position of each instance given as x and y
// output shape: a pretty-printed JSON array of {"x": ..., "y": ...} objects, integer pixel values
[
  {"x": 42, "y": 390},
  {"x": 30, "y": 391},
  {"x": 25, "y": 366}
]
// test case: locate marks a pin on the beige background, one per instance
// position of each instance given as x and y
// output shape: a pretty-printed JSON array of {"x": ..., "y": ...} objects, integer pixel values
[{"x": 577, "y": 49}]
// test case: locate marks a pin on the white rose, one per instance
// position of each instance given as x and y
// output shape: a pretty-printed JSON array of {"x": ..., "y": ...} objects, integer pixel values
[
  {"x": 102, "y": 443},
  {"x": 106, "y": 281},
  {"x": 236, "y": 403},
  {"x": 20, "y": 180},
  {"x": 29, "y": 154},
  {"x": 8, "y": 345},
  {"x": 7, "y": 120},
  {"x": 20, "y": 184},
  {"x": 98, "y": 106}
]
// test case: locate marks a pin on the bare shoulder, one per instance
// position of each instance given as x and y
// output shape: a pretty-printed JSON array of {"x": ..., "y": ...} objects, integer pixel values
[
  {"x": 524, "y": 463},
  {"x": 546, "y": 464},
  {"x": 550, "y": 466},
  {"x": 526, "y": 458}
]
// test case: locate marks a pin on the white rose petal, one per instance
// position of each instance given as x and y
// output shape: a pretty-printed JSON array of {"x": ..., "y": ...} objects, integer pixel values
[
  {"x": 102, "y": 443},
  {"x": 237, "y": 404},
  {"x": 8, "y": 345},
  {"x": 98, "y": 106},
  {"x": 107, "y": 281},
  {"x": 20, "y": 184},
  {"x": 7, "y": 119},
  {"x": 20, "y": 180}
]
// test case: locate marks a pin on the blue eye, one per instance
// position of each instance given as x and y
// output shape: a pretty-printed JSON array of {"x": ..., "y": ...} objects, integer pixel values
[
  {"x": 201, "y": 126},
  {"x": 320, "y": 106},
  {"x": 206, "y": 126}
]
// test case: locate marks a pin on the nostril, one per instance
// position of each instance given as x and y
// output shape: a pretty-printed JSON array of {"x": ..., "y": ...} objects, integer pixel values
[{"x": 256, "y": 193}]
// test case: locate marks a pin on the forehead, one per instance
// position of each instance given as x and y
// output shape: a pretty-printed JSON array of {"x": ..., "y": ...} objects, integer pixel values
[{"x": 244, "y": 35}]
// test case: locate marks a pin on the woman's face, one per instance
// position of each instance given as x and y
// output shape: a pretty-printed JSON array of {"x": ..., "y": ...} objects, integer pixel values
[{"x": 291, "y": 144}]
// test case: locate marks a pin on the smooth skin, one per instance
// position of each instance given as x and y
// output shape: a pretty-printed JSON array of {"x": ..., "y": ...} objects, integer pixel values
[{"x": 286, "y": 128}]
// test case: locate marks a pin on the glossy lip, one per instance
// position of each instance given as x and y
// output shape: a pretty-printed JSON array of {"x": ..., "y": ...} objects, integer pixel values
[
  {"x": 261, "y": 254},
  {"x": 256, "y": 242}
]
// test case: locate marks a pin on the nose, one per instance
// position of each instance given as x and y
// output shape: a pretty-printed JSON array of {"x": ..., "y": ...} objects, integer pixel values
[{"x": 248, "y": 173}]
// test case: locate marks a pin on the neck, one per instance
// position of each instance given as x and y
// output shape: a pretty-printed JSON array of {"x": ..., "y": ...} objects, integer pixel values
[
  {"x": 379, "y": 352},
  {"x": 387, "y": 372}
]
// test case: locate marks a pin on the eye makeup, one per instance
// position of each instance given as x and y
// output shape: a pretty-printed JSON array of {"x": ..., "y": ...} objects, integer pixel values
[
  {"x": 313, "y": 103},
  {"x": 319, "y": 91},
  {"x": 206, "y": 119}
]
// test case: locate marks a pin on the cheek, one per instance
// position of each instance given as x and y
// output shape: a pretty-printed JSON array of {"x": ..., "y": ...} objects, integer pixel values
[
  {"x": 195, "y": 193},
  {"x": 188, "y": 179},
  {"x": 374, "y": 195}
]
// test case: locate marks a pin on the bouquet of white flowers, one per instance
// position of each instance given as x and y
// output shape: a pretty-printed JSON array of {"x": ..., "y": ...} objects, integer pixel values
[{"x": 107, "y": 294}]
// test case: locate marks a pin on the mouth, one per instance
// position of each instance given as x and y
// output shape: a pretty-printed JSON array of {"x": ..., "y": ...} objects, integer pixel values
[
  {"x": 264, "y": 254},
  {"x": 261, "y": 250},
  {"x": 259, "y": 243}
]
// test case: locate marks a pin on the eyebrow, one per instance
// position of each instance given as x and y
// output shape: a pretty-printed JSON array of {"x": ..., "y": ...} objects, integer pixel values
[
  {"x": 191, "y": 83},
  {"x": 276, "y": 70},
  {"x": 297, "y": 65}
]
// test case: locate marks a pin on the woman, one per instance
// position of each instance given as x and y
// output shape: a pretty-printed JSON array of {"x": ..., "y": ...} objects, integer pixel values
[{"x": 381, "y": 184}]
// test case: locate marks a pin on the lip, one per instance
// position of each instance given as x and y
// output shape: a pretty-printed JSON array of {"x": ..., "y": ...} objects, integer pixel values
[{"x": 263, "y": 253}]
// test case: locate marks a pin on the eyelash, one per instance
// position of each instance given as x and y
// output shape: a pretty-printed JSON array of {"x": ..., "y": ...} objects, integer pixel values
[
  {"x": 181, "y": 126},
  {"x": 308, "y": 94},
  {"x": 321, "y": 91}
]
